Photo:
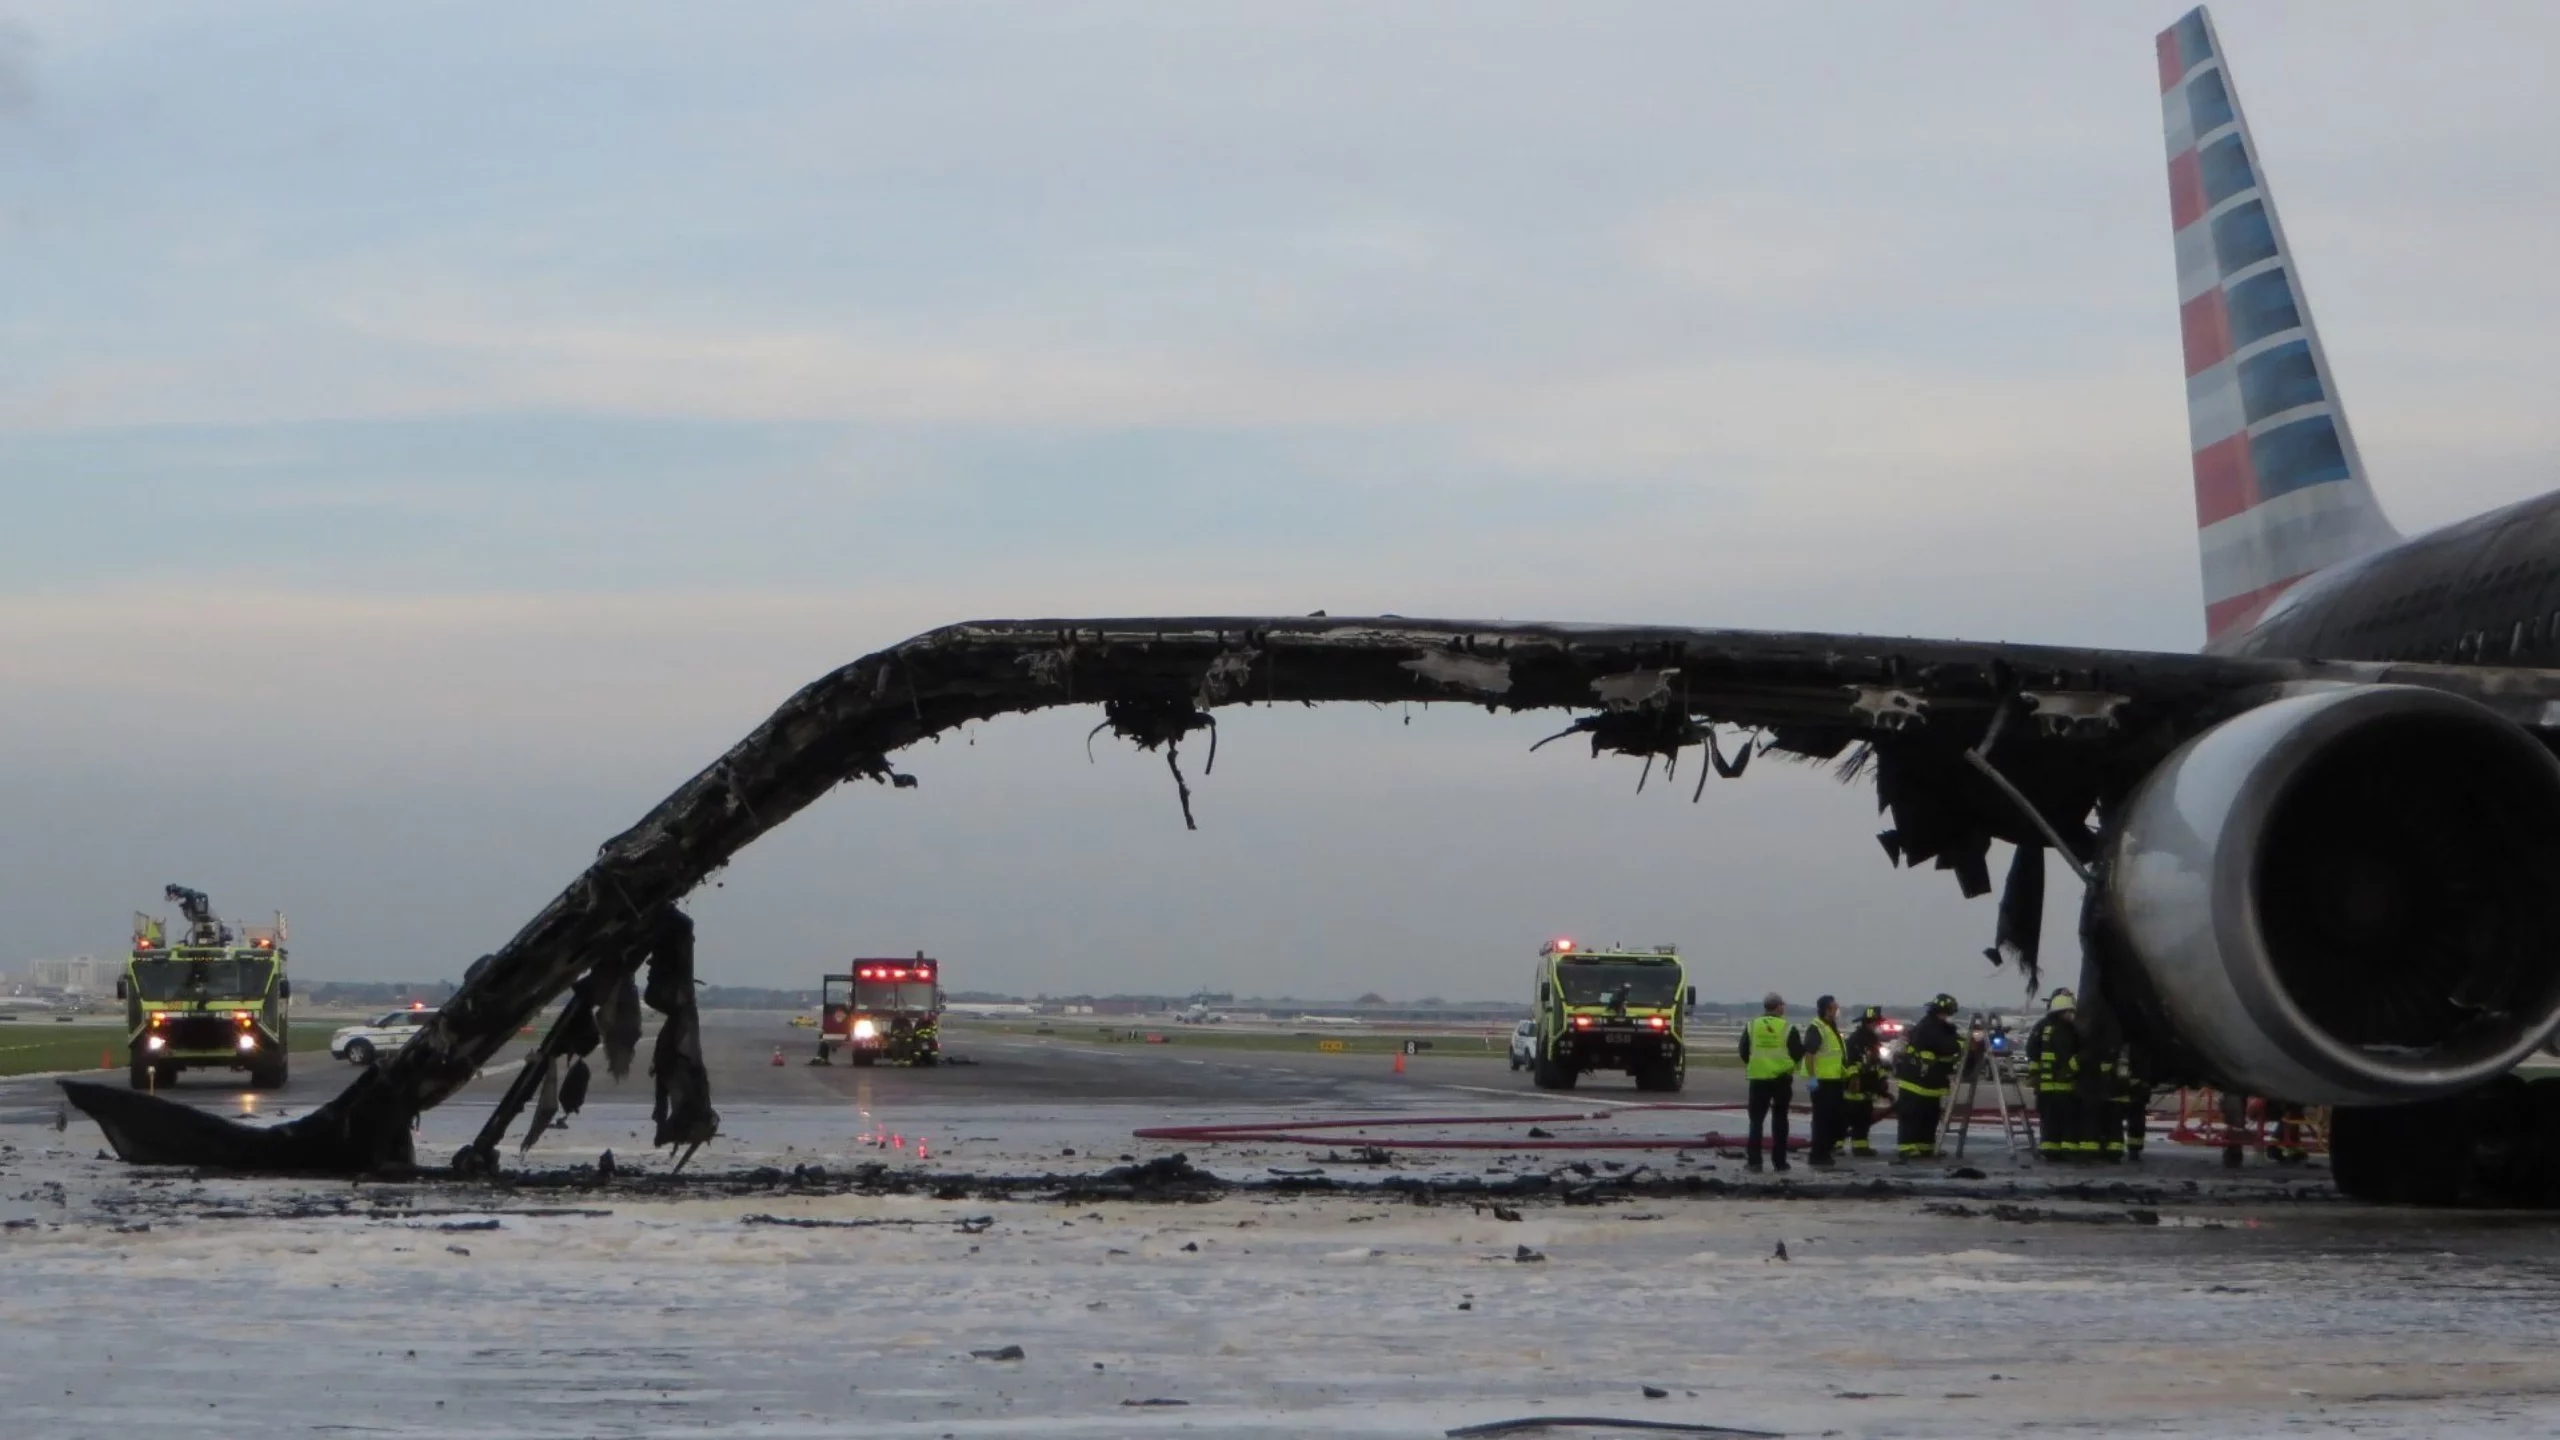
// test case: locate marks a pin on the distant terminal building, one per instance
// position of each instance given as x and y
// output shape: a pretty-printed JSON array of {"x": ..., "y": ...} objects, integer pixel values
[{"x": 78, "y": 975}]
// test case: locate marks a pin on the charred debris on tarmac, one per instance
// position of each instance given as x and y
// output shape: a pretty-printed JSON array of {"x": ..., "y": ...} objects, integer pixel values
[
  {"x": 1909, "y": 712},
  {"x": 444, "y": 1200}
]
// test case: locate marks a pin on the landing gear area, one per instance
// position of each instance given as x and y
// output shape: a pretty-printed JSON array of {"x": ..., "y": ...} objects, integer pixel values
[{"x": 2498, "y": 1146}]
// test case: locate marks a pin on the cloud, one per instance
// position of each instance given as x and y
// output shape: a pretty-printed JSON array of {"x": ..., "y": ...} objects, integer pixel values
[
  {"x": 318, "y": 689},
  {"x": 17, "y": 70},
  {"x": 411, "y": 777},
  {"x": 461, "y": 349},
  {"x": 508, "y": 426}
]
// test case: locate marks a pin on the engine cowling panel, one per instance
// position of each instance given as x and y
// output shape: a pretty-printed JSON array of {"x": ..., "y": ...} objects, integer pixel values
[{"x": 2350, "y": 896}]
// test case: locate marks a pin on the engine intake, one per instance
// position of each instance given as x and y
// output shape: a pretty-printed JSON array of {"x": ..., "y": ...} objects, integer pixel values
[{"x": 2350, "y": 896}]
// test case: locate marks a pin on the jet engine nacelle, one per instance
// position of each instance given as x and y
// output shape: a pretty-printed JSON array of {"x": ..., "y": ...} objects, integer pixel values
[{"x": 2350, "y": 896}]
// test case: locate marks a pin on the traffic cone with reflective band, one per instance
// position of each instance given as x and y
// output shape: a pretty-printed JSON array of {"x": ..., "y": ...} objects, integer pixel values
[
  {"x": 919, "y": 1147},
  {"x": 1399, "y": 1062}
]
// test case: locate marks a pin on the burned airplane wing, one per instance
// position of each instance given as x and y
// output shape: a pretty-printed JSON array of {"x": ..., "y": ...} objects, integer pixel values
[{"x": 1968, "y": 743}]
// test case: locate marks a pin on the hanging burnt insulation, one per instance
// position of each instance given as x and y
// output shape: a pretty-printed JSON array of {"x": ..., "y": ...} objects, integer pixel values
[
  {"x": 1651, "y": 731},
  {"x": 2017, "y": 936},
  {"x": 683, "y": 1110},
  {"x": 1160, "y": 724}
]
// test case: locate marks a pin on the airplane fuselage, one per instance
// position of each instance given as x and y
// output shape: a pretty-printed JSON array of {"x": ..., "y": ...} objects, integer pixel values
[{"x": 2482, "y": 591}]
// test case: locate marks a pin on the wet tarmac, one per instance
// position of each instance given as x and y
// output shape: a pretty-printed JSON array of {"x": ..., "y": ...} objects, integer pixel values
[
  {"x": 994, "y": 1064},
  {"x": 811, "y": 1277}
]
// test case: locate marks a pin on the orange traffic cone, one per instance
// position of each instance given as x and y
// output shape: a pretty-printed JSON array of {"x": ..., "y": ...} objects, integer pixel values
[
  {"x": 106, "y": 1059},
  {"x": 777, "y": 1055},
  {"x": 1399, "y": 1062},
  {"x": 919, "y": 1147}
]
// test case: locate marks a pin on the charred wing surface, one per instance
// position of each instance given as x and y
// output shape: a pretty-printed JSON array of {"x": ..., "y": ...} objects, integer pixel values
[
  {"x": 1921, "y": 703},
  {"x": 149, "y": 1130}
]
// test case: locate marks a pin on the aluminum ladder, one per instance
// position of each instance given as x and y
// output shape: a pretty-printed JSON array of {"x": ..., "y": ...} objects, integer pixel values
[{"x": 2010, "y": 1098}]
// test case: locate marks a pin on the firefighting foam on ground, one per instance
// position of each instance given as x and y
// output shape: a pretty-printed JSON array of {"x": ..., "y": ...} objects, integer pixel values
[{"x": 987, "y": 1247}]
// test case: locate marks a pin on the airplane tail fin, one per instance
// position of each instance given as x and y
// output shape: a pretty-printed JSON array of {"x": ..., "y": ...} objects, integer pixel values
[{"x": 2280, "y": 490}]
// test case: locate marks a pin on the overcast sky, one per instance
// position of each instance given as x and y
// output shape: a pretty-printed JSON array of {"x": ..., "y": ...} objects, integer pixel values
[{"x": 430, "y": 433}]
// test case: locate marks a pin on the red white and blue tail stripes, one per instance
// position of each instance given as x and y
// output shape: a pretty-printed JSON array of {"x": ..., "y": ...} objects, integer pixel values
[{"x": 2280, "y": 491}]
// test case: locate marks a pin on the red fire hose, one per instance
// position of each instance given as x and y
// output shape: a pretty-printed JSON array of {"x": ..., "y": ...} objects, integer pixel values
[{"x": 1313, "y": 1132}]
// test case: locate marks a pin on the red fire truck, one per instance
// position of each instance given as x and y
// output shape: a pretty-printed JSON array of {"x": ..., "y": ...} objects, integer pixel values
[{"x": 882, "y": 1010}]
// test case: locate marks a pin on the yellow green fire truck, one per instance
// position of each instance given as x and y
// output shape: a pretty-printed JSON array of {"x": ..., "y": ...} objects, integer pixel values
[
  {"x": 1611, "y": 1010},
  {"x": 214, "y": 1000}
]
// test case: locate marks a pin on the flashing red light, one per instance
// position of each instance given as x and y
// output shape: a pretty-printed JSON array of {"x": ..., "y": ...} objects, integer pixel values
[
  {"x": 240, "y": 1015},
  {"x": 417, "y": 1004},
  {"x": 1564, "y": 945},
  {"x": 1581, "y": 1022},
  {"x": 1657, "y": 1022}
]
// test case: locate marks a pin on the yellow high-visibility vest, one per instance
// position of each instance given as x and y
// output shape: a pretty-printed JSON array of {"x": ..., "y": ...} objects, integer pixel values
[
  {"x": 1825, "y": 1062},
  {"x": 1769, "y": 1059}
]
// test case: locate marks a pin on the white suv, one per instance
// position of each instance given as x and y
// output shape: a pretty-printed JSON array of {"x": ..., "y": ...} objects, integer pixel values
[
  {"x": 1524, "y": 1044},
  {"x": 359, "y": 1044}
]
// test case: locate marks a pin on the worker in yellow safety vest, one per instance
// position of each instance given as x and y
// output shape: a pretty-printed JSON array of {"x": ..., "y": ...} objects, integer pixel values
[
  {"x": 1923, "y": 1071},
  {"x": 1825, "y": 1062},
  {"x": 1771, "y": 1051}
]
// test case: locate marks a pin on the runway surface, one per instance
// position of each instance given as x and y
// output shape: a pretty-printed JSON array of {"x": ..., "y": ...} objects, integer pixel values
[
  {"x": 994, "y": 1065},
  {"x": 894, "y": 1297}
]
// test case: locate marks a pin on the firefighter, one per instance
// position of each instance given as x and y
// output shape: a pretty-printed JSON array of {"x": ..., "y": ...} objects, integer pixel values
[
  {"x": 1922, "y": 1072},
  {"x": 1826, "y": 1064},
  {"x": 2133, "y": 1101},
  {"x": 2101, "y": 1134},
  {"x": 2053, "y": 1062},
  {"x": 1862, "y": 1052},
  {"x": 1771, "y": 1051}
]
